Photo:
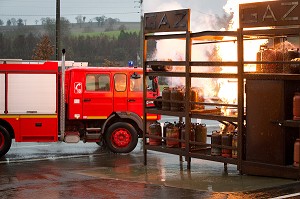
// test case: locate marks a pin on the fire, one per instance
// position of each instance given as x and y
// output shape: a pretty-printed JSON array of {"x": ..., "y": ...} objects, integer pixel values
[
  {"x": 224, "y": 89},
  {"x": 228, "y": 52}
]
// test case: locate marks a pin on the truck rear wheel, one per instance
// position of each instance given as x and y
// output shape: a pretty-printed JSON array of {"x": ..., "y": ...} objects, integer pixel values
[
  {"x": 5, "y": 141},
  {"x": 121, "y": 137}
]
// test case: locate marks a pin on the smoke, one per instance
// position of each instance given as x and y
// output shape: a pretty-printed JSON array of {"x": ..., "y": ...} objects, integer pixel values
[
  {"x": 202, "y": 19},
  {"x": 232, "y": 7}
]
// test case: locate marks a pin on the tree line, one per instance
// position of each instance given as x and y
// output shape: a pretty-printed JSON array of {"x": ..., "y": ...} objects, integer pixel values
[
  {"x": 21, "y": 42},
  {"x": 101, "y": 20}
]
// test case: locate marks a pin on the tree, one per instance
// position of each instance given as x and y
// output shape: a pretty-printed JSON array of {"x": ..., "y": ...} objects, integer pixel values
[
  {"x": 122, "y": 27},
  {"x": 79, "y": 20},
  {"x": 1, "y": 22},
  {"x": 100, "y": 20},
  {"x": 65, "y": 27},
  {"x": 110, "y": 23},
  {"x": 44, "y": 50},
  {"x": 109, "y": 63},
  {"x": 20, "y": 22},
  {"x": 13, "y": 21},
  {"x": 49, "y": 26},
  {"x": 8, "y": 22}
]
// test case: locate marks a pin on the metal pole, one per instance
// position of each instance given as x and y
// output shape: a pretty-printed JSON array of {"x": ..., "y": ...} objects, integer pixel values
[
  {"x": 144, "y": 58},
  {"x": 57, "y": 31},
  {"x": 142, "y": 34},
  {"x": 62, "y": 97},
  {"x": 240, "y": 49}
]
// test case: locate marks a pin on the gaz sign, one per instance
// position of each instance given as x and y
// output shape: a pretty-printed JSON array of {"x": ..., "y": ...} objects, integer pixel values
[
  {"x": 270, "y": 13},
  {"x": 77, "y": 87},
  {"x": 176, "y": 20}
]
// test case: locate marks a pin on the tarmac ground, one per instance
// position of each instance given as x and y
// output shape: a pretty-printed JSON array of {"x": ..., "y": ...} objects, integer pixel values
[{"x": 59, "y": 170}]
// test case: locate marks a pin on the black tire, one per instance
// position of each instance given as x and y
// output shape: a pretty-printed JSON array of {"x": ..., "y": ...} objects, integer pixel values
[
  {"x": 5, "y": 141},
  {"x": 121, "y": 137}
]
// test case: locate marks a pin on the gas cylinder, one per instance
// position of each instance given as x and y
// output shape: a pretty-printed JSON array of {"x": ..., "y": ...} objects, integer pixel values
[
  {"x": 196, "y": 96},
  {"x": 296, "y": 152},
  {"x": 234, "y": 144},
  {"x": 166, "y": 124},
  {"x": 216, "y": 138},
  {"x": 166, "y": 94},
  {"x": 155, "y": 129},
  {"x": 227, "y": 141},
  {"x": 172, "y": 131},
  {"x": 200, "y": 133},
  {"x": 296, "y": 106},
  {"x": 191, "y": 135},
  {"x": 181, "y": 127},
  {"x": 177, "y": 94}
]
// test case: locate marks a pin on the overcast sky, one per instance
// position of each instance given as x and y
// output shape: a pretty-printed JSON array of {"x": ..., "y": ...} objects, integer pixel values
[{"x": 125, "y": 10}]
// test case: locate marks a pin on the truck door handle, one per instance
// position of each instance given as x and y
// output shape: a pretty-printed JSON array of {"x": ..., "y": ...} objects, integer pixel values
[
  {"x": 87, "y": 100},
  {"x": 131, "y": 100}
]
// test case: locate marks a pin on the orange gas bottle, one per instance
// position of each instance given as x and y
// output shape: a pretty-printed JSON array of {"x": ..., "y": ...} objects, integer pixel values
[
  {"x": 172, "y": 131},
  {"x": 166, "y": 93},
  {"x": 296, "y": 106},
  {"x": 155, "y": 129},
  {"x": 226, "y": 141},
  {"x": 234, "y": 144},
  {"x": 200, "y": 134},
  {"x": 296, "y": 152},
  {"x": 216, "y": 138}
]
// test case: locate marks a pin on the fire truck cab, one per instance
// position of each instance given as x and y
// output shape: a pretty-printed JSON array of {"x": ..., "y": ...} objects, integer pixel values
[{"x": 101, "y": 104}]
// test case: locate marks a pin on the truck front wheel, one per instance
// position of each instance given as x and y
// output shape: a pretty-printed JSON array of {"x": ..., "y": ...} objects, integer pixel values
[
  {"x": 121, "y": 137},
  {"x": 5, "y": 141}
]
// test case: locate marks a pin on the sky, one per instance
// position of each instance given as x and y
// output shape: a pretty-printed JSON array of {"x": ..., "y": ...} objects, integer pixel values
[{"x": 31, "y": 11}]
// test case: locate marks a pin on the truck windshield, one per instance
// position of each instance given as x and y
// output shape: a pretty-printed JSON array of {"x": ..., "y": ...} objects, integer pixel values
[{"x": 136, "y": 84}]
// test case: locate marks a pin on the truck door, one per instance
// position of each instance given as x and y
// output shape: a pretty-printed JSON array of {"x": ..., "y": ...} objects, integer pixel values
[
  {"x": 2, "y": 93},
  {"x": 97, "y": 96},
  {"x": 120, "y": 92},
  {"x": 135, "y": 93}
]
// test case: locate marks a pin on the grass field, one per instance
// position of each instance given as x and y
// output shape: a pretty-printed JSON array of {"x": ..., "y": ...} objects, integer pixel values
[
  {"x": 111, "y": 34},
  {"x": 86, "y": 29}
]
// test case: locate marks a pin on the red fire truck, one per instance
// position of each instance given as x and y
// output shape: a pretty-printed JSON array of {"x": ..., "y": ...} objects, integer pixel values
[{"x": 101, "y": 104}]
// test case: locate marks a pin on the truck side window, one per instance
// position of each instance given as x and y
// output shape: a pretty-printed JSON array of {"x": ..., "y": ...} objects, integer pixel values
[
  {"x": 90, "y": 83},
  {"x": 120, "y": 82},
  {"x": 104, "y": 82},
  {"x": 97, "y": 82},
  {"x": 136, "y": 85}
]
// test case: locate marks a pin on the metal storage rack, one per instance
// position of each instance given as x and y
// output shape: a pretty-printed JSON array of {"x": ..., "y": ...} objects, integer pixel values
[
  {"x": 187, "y": 113},
  {"x": 278, "y": 145},
  {"x": 245, "y": 163}
]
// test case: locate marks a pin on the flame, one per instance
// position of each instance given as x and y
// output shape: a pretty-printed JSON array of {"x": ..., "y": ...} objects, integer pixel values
[
  {"x": 225, "y": 89},
  {"x": 228, "y": 52}
]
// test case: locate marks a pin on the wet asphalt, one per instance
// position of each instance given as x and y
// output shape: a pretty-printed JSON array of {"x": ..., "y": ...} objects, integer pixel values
[{"x": 59, "y": 170}]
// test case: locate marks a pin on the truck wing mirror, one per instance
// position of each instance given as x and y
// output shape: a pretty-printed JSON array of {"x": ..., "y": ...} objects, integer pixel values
[
  {"x": 151, "y": 77},
  {"x": 135, "y": 76}
]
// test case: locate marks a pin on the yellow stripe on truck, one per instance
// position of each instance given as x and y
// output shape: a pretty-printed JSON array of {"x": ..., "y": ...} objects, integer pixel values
[
  {"x": 28, "y": 116},
  {"x": 150, "y": 117},
  {"x": 96, "y": 117}
]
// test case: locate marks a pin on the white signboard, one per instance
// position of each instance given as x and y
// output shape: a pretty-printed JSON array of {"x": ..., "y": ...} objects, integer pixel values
[
  {"x": 2, "y": 93},
  {"x": 32, "y": 93}
]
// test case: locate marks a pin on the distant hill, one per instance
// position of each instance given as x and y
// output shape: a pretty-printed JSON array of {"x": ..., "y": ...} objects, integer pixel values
[
  {"x": 93, "y": 28},
  {"x": 87, "y": 28},
  {"x": 19, "y": 42}
]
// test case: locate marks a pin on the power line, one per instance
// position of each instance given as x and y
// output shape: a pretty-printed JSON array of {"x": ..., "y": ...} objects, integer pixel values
[{"x": 39, "y": 15}]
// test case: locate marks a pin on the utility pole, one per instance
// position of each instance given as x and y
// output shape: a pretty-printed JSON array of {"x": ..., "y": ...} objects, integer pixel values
[
  {"x": 142, "y": 34},
  {"x": 57, "y": 31},
  {"x": 141, "y": 54}
]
